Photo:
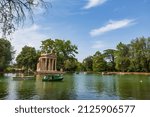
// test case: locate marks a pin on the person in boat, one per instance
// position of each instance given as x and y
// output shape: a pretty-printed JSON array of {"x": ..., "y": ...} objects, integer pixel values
[
  {"x": 44, "y": 77},
  {"x": 52, "y": 77}
]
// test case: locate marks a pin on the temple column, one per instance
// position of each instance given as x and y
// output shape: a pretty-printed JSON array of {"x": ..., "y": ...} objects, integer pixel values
[
  {"x": 45, "y": 64},
  {"x": 41, "y": 63},
  {"x": 52, "y": 64},
  {"x": 55, "y": 65},
  {"x": 49, "y": 64}
]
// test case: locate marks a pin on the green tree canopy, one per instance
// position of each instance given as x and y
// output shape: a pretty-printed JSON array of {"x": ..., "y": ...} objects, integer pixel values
[
  {"x": 99, "y": 64},
  {"x": 70, "y": 65},
  {"x": 140, "y": 54},
  {"x": 122, "y": 57},
  {"x": 27, "y": 58},
  {"x": 80, "y": 67},
  {"x": 6, "y": 53},
  {"x": 64, "y": 50},
  {"x": 88, "y": 63},
  {"x": 134, "y": 57}
]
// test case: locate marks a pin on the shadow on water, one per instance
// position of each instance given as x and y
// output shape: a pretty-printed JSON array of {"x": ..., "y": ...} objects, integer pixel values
[{"x": 3, "y": 86}]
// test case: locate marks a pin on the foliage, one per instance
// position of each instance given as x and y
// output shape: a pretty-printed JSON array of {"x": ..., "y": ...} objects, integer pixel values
[
  {"x": 80, "y": 66},
  {"x": 99, "y": 64},
  {"x": 14, "y": 12},
  {"x": 27, "y": 58},
  {"x": 70, "y": 65},
  {"x": 109, "y": 55},
  {"x": 6, "y": 53},
  {"x": 140, "y": 54},
  {"x": 134, "y": 57},
  {"x": 88, "y": 63},
  {"x": 64, "y": 50},
  {"x": 122, "y": 57},
  {"x": 10, "y": 69}
]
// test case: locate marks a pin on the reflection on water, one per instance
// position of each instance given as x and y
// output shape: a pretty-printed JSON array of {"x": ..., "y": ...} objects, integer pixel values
[
  {"x": 77, "y": 86},
  {"x": 3, "y": 87},
  {"x": 130, "y": 87}
]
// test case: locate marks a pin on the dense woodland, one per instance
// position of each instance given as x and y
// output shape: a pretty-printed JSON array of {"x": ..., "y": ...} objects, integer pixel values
[{"x": 132, "y": 57}]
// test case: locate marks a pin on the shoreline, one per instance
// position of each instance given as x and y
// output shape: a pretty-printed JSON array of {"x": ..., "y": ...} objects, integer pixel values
[
  {"x": 103, "y": 73},
  {"x": 125, "y": 73}
]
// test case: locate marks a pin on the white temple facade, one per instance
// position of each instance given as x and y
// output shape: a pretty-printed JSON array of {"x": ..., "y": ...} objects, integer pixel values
[{"x": 47, "y": 63}]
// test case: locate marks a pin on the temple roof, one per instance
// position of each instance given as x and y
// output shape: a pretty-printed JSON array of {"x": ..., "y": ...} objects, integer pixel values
[{"x": 48, "y": 55}]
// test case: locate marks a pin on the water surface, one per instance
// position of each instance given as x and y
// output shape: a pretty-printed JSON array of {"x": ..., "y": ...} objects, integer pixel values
[{"x": 77, "y": 86}]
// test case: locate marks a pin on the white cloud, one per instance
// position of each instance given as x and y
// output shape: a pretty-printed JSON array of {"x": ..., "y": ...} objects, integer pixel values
[
  {"x": 31, "y": 36},
  {"x": 112, "y": 25},
  {"x": 98, "y": 45},
  {"x": 102, "y": 45},
  {"x": 93, "y": 3}
]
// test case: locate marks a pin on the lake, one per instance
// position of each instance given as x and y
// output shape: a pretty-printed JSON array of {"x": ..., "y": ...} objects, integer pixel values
[{"x": 77, "y": 87}]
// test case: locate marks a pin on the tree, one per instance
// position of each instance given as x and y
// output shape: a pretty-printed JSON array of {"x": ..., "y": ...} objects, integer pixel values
[
  {"x": 122, "y": 57},
  {"x": 140, "y": 54},
  {"x": 133, "y": 57},
  {"x": 109, "y": 55},
  {"x": 80, "y": 67},
  {"x": 14, "y": 12},
  {"x": 99, "y": 64},
  {"x": 70, "y": 65},
  {"x": 27, "y": 58},
  {"x": 6, "y": 53},
  {"x": 88, "y": 63},
  {"x": 64, "y": 50}
]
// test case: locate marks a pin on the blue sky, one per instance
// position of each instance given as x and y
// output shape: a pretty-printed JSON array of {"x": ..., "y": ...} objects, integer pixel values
[{"x": 92, "y": 25}]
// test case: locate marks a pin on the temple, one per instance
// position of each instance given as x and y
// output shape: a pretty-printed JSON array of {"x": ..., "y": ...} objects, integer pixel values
[{"x": 47, "y": 64}]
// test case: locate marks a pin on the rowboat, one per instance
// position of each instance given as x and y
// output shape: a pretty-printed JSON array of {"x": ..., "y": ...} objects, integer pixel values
[{"x": 53, "y": 77}]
